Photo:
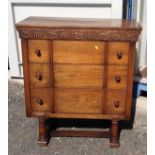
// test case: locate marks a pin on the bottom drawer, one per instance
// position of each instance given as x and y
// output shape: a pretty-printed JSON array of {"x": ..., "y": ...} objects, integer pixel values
[
  {"x": 78, "y": 100},
  {"x": 41, "y": 100},
  {"x": 115, "y": 102}
]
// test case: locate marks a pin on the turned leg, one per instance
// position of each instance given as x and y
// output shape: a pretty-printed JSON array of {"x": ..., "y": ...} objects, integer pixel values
[
  {"x": 114, "y": 139},
  {"x": 43, "y": 137}
]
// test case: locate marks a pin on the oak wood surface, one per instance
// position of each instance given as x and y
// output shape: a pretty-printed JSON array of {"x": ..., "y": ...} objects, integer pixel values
[
  {"x": 78, "y": 52},
  {"x": 115, "y": 102},
  {"x": 68, "y": 22},
  {"x": 76, "y": 116},
  {"x": 114, "y": 139},
  {"x": 26, "y": 73},
  {"x": 78, "y": 76},
  {"x": 79, "y": 29},
  {"x": 117, "y": 77},
  {"x": 43, "y": 47},
  {"x": 51, "y": 72},
  {"x": 78, "y": 133},
  {"x": 78, "y": 100},
  {"x": 41, "y": 99},
  {"x": 43, "y": 137},
  {"x": 40, "y": 75},
  {"x": 118, "y": 53},
  {"x": 130, "y": 81}
]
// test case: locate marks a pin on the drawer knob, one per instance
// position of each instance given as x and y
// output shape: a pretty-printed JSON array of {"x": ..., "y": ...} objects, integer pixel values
[
  {"x": 118, "y": 79},
  {"x": 119, "y": 55},
  {"x": 39, "y": 76},
  {"x": 116, "y": 103},
  {"x": 40, "y": 101},
  {"x": 38, "y": 52}
]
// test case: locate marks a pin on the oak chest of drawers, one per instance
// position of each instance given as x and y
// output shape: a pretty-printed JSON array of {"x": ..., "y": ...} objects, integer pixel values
[{"x": 78, "y": 68}]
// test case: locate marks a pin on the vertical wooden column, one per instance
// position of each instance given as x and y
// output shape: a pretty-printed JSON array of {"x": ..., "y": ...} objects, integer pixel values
[
  {"x": 106, "y": 51},
  {"x": 114, "y": 138},
  {"x": 25, "y": 59},
  {"x": 132, "y": 54},
  {"x": 51, "y": 74},
  {"x": 43, "y": 136}
]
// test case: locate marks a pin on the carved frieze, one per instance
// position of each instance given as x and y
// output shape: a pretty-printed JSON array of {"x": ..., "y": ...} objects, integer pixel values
[{"x": 79, "y": 34}]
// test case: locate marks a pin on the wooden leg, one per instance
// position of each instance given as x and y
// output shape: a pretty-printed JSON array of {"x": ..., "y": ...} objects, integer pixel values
[
  {"x": 114, "y": 139},
  {"x": 43, "y": 137}
]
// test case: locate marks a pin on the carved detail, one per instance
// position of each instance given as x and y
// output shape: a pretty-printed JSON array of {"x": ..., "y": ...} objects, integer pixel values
[{"x": 79, "y": 34}]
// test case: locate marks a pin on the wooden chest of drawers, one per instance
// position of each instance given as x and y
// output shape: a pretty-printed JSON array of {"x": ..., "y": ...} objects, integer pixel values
[{"x": 78, "y": 68}]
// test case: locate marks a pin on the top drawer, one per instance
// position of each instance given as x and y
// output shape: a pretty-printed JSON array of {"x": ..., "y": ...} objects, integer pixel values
[
  {"x": 118, "y": 53},
  {"x": 38, "y": 51},
  {"x": 78, "y": 52}
]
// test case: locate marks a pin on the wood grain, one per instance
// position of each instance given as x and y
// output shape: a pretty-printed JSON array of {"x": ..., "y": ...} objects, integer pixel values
[
  {"x": 68, "y": 22},
  {"x": 114, "y": 138},
  {"x": 78, "y": 52},
  {"x": 115, "y": 96},
  {"x": 80, "y": 133},
  {"x": 40, "y": 75},
  {"x": 77, "y": 116},
  {"x": 78, "y": 100},
  {"x": 24, "y": 44},
  {"x": 43, "y": 137},
  {"x": 44, "y": 94},
  {"x": 118, "y": 53},
  {"x": 43, "y": 46},
  {"x": 130, "y": 80},
  {"x": 113, "y": 73},
  {"x": 78, "y": 76}
]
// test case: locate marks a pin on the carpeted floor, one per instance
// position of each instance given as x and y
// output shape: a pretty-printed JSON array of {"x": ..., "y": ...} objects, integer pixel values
[{"x": 23, "y": 133}]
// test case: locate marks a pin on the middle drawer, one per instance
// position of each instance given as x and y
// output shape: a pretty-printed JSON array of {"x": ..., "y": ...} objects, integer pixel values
[{"x": 78, "y": 76}]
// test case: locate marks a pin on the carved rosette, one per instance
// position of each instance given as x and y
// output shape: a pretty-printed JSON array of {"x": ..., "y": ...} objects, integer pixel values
[{"x": 79, "y": 34}]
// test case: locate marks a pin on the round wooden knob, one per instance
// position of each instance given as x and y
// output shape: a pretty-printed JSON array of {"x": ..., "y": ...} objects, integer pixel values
[
  {"x": 119, "y": 55},
  {"x": 116, "y": 104},
  {"x": 39, "y": 76},
  {"x": 118, "y": 79},
  {"x": 40, "y": 101},
  {"x": 38, "y": 52}
]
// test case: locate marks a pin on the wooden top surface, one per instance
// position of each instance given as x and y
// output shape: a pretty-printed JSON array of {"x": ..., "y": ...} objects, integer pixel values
[{"x": 54, "y": 22}]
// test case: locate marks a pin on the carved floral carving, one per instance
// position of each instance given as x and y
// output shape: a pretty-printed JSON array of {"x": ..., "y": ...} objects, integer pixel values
[{"x": 79, "y": 34}]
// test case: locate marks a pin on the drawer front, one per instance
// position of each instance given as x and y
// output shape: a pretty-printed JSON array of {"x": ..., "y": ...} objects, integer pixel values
[
  {"x": 118, "y": 53},
  {"x": 41, "y": 99},
  {"x": 78, "y": 52},
  {"x": 78, "y": 76},
  {"x": 38, "y": 51},
  {"x": 40, "y": 75},
  {"x": 78, "y": 100},
  {"x": 115, "y": 102},
  {"x": 117, "y": 77}
]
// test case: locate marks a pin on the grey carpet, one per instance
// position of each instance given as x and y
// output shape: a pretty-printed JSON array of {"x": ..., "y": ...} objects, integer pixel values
[{"x": 23, "y": 133}]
